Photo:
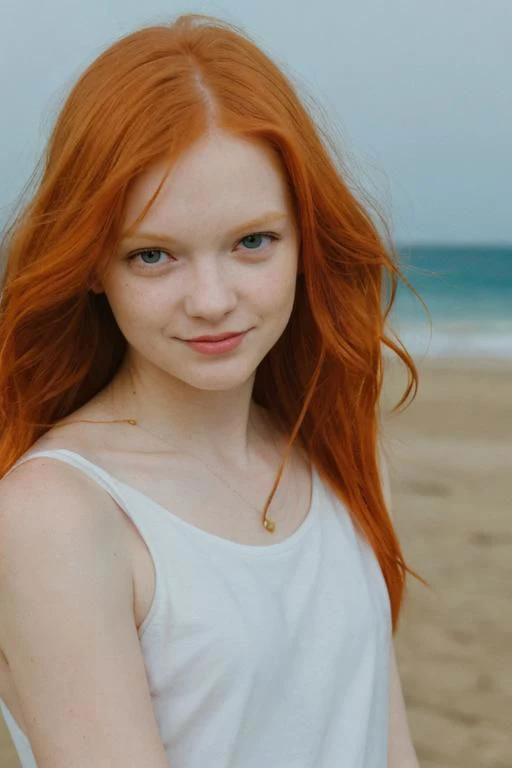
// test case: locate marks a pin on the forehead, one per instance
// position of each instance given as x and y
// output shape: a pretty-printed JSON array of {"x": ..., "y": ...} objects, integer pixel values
[{"x": 220, "y": 179}]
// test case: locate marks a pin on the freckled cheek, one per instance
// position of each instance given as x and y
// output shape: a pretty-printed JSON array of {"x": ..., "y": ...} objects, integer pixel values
[
  {"x": 276, "y": 291},
  {"x": 141, "y": 307}
]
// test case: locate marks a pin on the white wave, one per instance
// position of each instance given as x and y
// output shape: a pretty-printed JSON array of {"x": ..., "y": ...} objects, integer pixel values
[{"x": 457, "y": 339}]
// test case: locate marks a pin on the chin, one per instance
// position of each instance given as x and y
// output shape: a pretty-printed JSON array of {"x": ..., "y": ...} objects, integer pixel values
[
  {"x": 218, "y": 381},
  {"x": 217, "y": 386}
]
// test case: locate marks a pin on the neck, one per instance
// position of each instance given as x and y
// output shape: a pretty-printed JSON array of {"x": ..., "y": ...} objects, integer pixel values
[{"x": 224, "y": 426}]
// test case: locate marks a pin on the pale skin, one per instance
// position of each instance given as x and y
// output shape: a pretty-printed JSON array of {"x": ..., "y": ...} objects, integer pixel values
[
  {"x": 198, "y": 287},
  {"x": 77, "y": 693}
]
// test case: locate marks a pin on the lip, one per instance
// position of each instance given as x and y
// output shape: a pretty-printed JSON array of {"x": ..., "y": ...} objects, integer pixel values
[
  {"x": 220, "y": 337},
  {"x": 225, "y": 344}
]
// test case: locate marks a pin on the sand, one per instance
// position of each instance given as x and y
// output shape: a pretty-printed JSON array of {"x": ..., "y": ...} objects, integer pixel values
[
  {"x": 450, "y": 456},
  {"x": 450, "y": 461}
]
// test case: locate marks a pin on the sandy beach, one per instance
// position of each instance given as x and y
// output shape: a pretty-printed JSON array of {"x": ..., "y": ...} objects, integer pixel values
[
  {"x": 450, "y": 456},
  {"x": 450, "y": 461}
]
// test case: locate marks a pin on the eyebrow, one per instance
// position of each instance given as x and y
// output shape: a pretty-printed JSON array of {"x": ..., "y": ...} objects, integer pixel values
[{"x": 261, "y": 221}]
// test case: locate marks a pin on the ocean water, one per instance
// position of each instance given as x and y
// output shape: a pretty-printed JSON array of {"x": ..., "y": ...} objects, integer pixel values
[{"x": 468, "y": 291}]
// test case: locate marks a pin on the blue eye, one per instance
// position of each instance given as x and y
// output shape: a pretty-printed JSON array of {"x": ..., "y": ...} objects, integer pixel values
[
  {"x": 147, "y": 252},
  {"x": 258, "y": 236},
  {"x": 149, "y": 257}
]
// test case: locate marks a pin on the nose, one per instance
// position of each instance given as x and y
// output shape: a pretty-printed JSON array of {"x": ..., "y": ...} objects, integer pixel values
[{"x": 211, "y": 294}]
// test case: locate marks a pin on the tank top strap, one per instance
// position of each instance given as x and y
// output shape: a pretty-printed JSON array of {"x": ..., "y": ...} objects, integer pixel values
[
  {"x": 95, "y": 472},
  {"x": 151, "y": 528},
  {"x": 133, "y": 502}
]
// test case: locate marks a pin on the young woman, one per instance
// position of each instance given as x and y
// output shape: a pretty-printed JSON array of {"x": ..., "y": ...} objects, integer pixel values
[{"x": 197, "y": 560}]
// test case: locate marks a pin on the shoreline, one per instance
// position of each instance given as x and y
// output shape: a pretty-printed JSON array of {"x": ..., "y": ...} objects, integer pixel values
[{"x": 464, "y": 362}]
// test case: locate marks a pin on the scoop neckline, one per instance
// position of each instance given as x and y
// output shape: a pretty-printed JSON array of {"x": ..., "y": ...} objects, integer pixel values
[{"x": 253, "y": 549}]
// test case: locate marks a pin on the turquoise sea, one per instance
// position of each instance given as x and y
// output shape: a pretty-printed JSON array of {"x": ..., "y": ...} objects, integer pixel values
[{"x": 468, "y": 291}]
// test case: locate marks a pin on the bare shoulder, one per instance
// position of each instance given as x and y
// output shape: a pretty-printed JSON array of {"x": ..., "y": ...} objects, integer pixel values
[
  {"x": 51, "y": 510},
  {"x": 68, "y": 628},
  {"x": 44, "y": 490},
  {"x": 83, "y": 430}
]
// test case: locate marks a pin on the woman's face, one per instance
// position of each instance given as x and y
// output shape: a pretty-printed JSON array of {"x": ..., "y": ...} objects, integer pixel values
[{"x": 216, "y": 253}]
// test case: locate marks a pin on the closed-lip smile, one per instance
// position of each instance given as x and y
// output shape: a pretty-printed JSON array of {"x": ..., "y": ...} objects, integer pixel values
[{"x": 220, "y": 337}]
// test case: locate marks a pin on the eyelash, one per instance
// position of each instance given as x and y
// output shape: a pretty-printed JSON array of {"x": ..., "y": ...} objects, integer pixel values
[{"x": 272, "y": 235}]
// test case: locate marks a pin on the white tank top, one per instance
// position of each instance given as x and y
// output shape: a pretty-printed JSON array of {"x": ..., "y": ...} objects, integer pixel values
[{"x": 259, "y": 655}]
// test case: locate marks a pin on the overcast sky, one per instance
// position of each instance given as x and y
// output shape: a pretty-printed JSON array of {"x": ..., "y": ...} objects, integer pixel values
[{"x": 419, "y": 92}]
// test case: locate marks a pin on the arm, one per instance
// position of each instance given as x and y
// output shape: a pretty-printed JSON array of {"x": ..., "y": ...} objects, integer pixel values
[
  {"x": 401, "y": 752},
  {"x": 67, "y": 625}
]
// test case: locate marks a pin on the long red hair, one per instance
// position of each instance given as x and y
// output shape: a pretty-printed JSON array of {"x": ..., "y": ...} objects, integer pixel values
[{"x": 147, "y": 97}]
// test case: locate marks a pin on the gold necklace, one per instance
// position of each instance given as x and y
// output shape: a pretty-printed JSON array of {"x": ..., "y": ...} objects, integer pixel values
[{"x": 268, "y": 524}]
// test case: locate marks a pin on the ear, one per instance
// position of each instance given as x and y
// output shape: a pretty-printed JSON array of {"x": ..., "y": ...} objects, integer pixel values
[{"x": 96, "y": 287}]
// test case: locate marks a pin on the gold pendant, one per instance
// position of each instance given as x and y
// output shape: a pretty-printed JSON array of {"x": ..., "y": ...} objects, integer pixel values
[{"x": 269, "y": 525}]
